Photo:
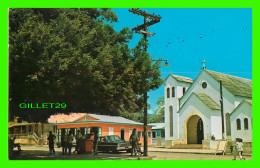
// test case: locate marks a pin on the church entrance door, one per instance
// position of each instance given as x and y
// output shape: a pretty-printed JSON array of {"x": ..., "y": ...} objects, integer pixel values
[{"x": 195, "y": 131}]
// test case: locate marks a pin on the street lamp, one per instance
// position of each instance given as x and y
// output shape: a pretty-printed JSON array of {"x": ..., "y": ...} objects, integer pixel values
[{"x": 165, "y": 64}]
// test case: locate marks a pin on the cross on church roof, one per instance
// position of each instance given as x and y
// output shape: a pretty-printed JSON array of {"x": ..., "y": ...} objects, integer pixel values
[{"x": 203, "y": 64}]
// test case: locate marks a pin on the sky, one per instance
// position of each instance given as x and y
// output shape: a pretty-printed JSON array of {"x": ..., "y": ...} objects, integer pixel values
[{"x": 187, "y": 36}]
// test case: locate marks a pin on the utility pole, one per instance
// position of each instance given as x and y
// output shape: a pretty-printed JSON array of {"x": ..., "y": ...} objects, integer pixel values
[
  {"x": 222, "y": 111},
  {"x": 142, "y": 29}
]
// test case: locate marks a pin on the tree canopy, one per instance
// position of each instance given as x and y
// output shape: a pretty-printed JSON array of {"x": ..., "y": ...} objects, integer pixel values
[{"x": 75, "y": 56}]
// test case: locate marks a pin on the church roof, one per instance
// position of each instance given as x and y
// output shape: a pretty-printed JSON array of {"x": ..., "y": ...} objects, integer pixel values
[
  {"x": 182, "y": 78},
  {"x": 236, "y": 85},
  {"x": 249, "y": 101},
  {"x": 240, "y": 104},
  {"x": 208, "y": 101}
]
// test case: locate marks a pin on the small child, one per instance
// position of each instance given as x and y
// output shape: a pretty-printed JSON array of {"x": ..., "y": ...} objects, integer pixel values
[{"x": 239, "y": 149}]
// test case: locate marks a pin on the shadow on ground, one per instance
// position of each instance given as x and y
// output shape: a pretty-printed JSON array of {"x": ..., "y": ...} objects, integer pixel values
[{"x": 44, "y": 155}]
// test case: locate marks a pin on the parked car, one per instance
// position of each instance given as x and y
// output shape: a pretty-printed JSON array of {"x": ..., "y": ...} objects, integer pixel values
[{"x": 113, "y": 143}]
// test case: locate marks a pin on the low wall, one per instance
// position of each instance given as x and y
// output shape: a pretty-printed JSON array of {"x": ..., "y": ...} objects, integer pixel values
[
  {"x": 213, "y": 144},
  {"x": 210, "y": 144}
]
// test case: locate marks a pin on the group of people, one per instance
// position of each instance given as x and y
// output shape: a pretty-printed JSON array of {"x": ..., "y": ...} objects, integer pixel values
[
  {"x": 66, "y": 143},
  {"x": 67, "y": 140}
]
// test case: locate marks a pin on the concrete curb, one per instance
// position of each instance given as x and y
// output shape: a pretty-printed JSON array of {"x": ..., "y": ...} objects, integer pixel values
[
  {"x": 140, "y": 158},
  {"x": 207, "y": 153},
  {"x": 184, "y": 152}
]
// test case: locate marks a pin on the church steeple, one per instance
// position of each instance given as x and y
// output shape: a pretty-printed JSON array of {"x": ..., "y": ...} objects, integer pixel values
[{"x": 203, "y": 64}]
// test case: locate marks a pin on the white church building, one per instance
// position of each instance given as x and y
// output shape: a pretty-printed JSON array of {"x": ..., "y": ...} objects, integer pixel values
[{"x": 193, "y": 108}]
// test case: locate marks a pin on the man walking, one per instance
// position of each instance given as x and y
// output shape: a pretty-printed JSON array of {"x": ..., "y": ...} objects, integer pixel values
[{"x": 51, "y": 139}]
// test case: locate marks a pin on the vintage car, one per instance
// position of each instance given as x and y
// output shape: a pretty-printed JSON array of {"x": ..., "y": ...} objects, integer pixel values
[{"x": 113, "y": 143}]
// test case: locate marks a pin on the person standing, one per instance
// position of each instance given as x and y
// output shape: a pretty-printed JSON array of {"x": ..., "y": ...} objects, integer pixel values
[
  {"x": 239, "y": 149},
  {"x": 134, "y": 142},
  {"x": 64, "y": 144},
  {"x": 77, "y": 137},
  {"x": 95, "y": 143},
  {"x": 51, "y": 139},
  {"x": 69, "y": 142}
]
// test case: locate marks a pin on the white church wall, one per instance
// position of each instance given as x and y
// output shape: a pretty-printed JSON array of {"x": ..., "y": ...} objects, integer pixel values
[
  {"x": 239, "y": 99},
  {"x": 171, "y": 101},
  {"x": 243, "y": 111},
  {"x": 180, "y": 87},
  {"x": 174, "y": 102},
  {"x": 216, "y": 127},
  {"x": 194, "y": 106},
  {"x": 213, "y": 90}
]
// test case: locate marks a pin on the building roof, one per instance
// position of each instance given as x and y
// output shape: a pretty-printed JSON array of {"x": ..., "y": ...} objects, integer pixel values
[
  {"x": 14, "y": 124},
  {"x": 115, "y": 119},
  {"x": 60, "y": 118},
  {"x": 208, "y": 101},
  {"x": 249, "y": 101},
  {"x": 236, "y": 85},
  {"x": 240, "y": 104},
  {"x": 182, "y": 78},
  {"x": 157, "y": 125},
  {"x": 73, "y": 117}
]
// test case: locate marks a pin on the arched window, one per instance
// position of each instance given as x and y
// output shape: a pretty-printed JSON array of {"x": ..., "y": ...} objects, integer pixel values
[
  {"x": 238, "y": 124},
  {"x": 245, "y": 124},
  {"x": 183, "y": 90},
  {"x": 168, "y": 93},
  {"x": 173, "y": 92},
  {"x": 171, "y": 120}
]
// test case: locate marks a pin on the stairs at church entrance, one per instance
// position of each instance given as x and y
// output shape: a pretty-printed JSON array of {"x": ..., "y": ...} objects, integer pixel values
[{"x": 187, "y": 146}]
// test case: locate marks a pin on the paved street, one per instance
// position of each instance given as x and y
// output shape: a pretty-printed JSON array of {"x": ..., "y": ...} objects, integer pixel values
[{"x": 42, "y": 153}]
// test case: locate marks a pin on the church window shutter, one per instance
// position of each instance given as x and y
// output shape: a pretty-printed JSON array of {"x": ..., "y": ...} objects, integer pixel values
[
  {"x": 171, "y": 120},
  {"x": 238, "y": 124},
  {"x": 245, "y": 124},
  {"x": 168, "y": 92},
  {"x": 173, "y": 92}
]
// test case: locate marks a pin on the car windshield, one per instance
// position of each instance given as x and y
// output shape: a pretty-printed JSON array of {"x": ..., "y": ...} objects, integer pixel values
[{"x": 114, "y": 138}]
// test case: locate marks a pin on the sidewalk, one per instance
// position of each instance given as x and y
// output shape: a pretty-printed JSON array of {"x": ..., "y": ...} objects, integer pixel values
[{"x": 194, "y": 151}]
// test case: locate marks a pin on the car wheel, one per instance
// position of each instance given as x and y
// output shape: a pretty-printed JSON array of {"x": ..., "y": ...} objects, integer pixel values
[
  {"x": 107, "y": 150},
  {"x": 114, "y": 150}
]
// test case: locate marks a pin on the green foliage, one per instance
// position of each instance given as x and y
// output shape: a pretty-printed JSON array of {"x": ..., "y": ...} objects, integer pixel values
[
  {"x": 75, "y": 56},
  {"x": 158, "y": 113}
]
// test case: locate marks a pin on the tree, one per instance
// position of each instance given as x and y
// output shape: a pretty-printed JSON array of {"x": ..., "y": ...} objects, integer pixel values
[
  {"x": 76, "y": 57},
  {"x": 158, "y": 113}
]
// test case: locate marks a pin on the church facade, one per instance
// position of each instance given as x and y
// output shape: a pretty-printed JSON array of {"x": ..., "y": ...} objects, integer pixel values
[{"x": 193, "y": 108}]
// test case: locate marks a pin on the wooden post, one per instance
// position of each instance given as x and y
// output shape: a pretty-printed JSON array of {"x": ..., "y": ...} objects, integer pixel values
[
  {"x": 145, "y": 100},
  {"x": 42, "y": 134},
  {"x": 222, "y": 111},
  {"x": 142, "y": 29}
]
